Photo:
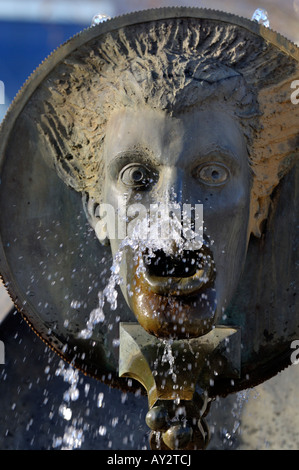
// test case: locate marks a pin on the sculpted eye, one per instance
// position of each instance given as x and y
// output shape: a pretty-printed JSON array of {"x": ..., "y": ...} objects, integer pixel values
[
  {"x": 137, "y": 176},
  {"x": 212, "y": 173}
]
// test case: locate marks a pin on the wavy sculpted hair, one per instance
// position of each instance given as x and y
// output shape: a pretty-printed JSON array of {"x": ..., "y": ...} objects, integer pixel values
[{"x": 172, "y": 65}]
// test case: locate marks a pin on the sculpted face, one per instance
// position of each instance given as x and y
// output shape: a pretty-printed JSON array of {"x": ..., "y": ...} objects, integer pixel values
[{"x": 196, "y": 157}]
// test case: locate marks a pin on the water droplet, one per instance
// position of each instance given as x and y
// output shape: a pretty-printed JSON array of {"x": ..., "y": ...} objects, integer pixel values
[
  {"x": 57, "y": 441},
  {"x": 261, "y": 17},
  {"x": 100, "y": 18},
  {"x": 114, "y": 421},
  {"x": 75, "y": 304},
  {"x": 65, "y": 412},
  {"x": 73, "y": 438},
  {"x": 102, "y": 430},
  {"x": 100, "y": 402}
]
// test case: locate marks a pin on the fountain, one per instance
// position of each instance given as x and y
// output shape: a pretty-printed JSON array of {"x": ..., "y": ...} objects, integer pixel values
[{"x": 149, "y": 108}]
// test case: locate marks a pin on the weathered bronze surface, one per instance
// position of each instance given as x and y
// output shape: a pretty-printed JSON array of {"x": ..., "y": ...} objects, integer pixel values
[
  {"x": 177, "y": 377},
  {"x": 186, "y": 91},
  {"x": 174, "y": 373}
]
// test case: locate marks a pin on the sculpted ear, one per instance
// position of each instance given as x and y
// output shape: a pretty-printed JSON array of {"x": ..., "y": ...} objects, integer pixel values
[{"x": 96, "y": 219}]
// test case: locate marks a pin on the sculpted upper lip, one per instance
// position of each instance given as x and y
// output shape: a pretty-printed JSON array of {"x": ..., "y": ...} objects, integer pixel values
[
  {"x": 176, "y": 285},
  {"x": 179, "y": 286}
]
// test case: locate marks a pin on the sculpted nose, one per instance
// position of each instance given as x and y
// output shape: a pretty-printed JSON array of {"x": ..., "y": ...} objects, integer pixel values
[
  {"x": 175, "y": 194},
  {"x": 173, "y": 186}
]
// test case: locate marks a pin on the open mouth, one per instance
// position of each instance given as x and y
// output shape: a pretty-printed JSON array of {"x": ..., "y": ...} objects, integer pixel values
[{"x": 180, "y": 275}]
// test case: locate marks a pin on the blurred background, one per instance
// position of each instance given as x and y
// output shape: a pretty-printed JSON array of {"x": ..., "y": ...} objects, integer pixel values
[{"x": 31, "y": 391}]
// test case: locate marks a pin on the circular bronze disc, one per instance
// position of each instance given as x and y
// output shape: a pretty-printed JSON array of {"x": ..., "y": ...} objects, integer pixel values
[{"x": 53, "y": 266}]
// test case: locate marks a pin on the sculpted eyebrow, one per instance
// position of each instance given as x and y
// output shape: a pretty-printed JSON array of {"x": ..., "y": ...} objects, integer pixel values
[
  {"x": 133, "y": 155},
  {"x": 217, "y": 153}
]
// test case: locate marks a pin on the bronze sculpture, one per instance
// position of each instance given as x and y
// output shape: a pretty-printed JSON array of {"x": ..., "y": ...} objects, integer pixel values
[{"x": 186, "y": 100}]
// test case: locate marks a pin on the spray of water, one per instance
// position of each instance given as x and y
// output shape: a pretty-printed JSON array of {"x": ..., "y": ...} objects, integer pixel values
[
  {"x": 261, "y": 16},
  {"x": 143, "y": 249},
  {"x": 74, "y": 433},
  {"x": 144, "y": 241}
]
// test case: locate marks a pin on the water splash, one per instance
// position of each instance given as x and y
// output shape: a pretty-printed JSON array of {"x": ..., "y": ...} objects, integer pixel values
[
  {"x": 143, "y": 250},
  {"x": 100, "y": 18},
  {"x": 109, "y": 293},
  {"x": 229, "y": 435},
  {"x": 261, "y": 17},
  {"x": 96, "y": 316},
  {"x": 72, "y": 438},
  {"x": 100, "y": 400},
  {"x": 169, "y": 358},
  {"x": 73, "y": 435},
  {"x": 176, "y": 239}
]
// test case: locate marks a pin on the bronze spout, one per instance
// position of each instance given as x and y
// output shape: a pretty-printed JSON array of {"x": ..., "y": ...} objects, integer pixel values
[{"x": 177, "y": 377}]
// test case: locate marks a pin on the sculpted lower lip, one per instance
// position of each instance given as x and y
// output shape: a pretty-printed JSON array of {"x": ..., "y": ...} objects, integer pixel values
[{"x": 177, "y": 286}]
